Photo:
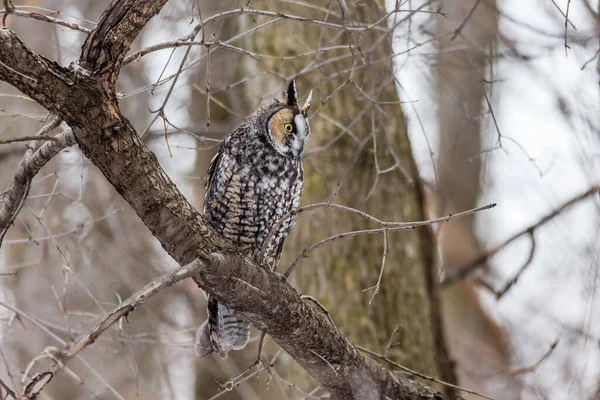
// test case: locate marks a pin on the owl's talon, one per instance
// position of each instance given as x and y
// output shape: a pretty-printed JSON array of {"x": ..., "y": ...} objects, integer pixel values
[
  {"x": 217, "y": 257},
  {"x": 281, "y": 276}
]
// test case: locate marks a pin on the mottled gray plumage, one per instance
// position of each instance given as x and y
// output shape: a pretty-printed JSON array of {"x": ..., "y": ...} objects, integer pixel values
[{"x": 255, "y": 179}]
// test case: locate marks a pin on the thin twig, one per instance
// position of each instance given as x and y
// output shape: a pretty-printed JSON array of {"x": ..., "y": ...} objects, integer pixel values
[
  {"x": 510, "y": 283},
  {"x": 567, "y": 47},
  {"x": 114, "y": 316},
  {"x": 585, "y": 64},
  {"x": 323, "y": 358},
  {"x": 386, "y": 250},
  {"x": 390, "y": 341},
  {"x": 531, "y": 368},
  {"x": 563, "y": 14},
  {"x": 45, "y": 18},
  {"x": 62, "y": 342},
  {"x": 62, "y": 234},
  {"x": 8, "y": 9},
  {"x": 420, "y": 375},
  {"x": 28, "y": 139},
  {"x": 389, "y": 226},
  {"x": 462, "y": 25},
  {"x": 240, "y": 381},
  {"x": 468, "y": 269},
  {"x": 9, "y": 391}
]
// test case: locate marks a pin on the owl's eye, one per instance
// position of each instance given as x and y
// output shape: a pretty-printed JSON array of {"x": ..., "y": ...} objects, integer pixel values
[{"x": 289, "y": 128}]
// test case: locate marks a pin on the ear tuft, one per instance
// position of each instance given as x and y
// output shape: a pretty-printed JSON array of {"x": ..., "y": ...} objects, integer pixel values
[
  {"x": 307, "y": 103},
  {"x": 292, "y": 98}
]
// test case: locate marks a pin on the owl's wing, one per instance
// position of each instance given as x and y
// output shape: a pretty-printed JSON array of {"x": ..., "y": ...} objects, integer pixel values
[
  {"x": 210, "y": 174},
  {"x": 277, "y": 256}
]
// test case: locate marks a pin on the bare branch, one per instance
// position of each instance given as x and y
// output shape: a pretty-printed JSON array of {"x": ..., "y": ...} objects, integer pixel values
[
  {"x": 19, "y": 65},
  {"x": 8, "y": 390},
  {"x": 44, "y": 18},
  {"x": 51, "y": 334},
  {"x": 564, "y": 15},
  {"x": 532, "y": 368},
  {"x": 8, "y": 8},
  {"x": 387, "y": 227},
  {"x": 462, "y": 25},
  {"x": 466, "y": 270},
  {"x": 28, "y": 138},
  {"x": 567, "y": 47},
  {"x": 21, "y": 182},
  {"x": 423, "y": 376},
  {"x": 37, "y": 383},
  {"x": 329, "y": 356},
  {"x": 510, "y": 283},
  {"x": 384, "y": 224}
]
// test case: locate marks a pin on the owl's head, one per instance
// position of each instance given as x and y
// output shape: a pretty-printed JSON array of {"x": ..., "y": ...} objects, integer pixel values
[{"x": 287, "y": 125}]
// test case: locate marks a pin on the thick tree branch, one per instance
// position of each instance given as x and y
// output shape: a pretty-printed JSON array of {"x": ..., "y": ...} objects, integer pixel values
[
  {"x": 107, "y": 45},
  {"x": 54, "y": 87},
  {"x": 277, "y": 309},
  {"x": 86, "y": 100}
]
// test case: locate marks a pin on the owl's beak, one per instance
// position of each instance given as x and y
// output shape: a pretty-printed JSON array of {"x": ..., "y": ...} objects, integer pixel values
[{"x": 297, "y": 147}]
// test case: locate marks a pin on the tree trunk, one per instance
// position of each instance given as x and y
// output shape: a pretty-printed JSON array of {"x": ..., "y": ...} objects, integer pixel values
[
  {"x": 461, "y": 98},
  {"x": 358, "y": 129}
]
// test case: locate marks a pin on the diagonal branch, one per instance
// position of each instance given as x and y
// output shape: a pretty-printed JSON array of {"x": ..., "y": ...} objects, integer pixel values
[
  {"x": 21, "y": 182},
  {"x": 277, "y": 309},
  {"x": 85, "y": 98}
]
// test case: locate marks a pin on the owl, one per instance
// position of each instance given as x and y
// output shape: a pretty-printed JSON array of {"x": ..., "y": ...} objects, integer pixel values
[{"x": 255, "y": 179}]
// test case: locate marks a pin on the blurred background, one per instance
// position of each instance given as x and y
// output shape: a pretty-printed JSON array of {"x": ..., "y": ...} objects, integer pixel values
[{"x": 420, "y": 109}]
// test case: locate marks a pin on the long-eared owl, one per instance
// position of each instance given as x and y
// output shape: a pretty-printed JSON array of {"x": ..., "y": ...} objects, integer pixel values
[{"x": 254, "y": 180}]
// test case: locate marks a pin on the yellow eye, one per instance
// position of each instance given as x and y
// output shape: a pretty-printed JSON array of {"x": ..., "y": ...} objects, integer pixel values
[{"x": 289, "y": 128}]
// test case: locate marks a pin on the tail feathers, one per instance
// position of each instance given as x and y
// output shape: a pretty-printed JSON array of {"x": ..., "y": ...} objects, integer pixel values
[
  {"x": 203, "y": 346},
  {"x": 225, "y": 330}
]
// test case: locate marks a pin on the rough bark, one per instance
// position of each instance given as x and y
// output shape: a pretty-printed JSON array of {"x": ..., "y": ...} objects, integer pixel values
[{"x": 85, "y": 98}]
